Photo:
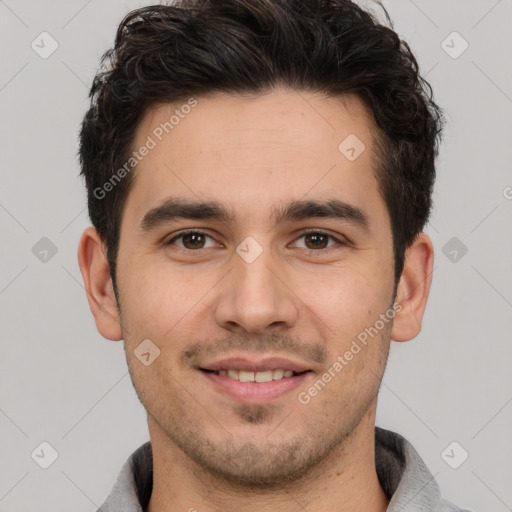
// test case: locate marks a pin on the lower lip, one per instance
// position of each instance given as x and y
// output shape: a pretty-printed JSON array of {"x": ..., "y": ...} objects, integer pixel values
[{"x": 256, "y": 391}]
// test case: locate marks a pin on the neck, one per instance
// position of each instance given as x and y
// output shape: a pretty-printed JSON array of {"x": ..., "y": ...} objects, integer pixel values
[{"x": 345, "y": 481}]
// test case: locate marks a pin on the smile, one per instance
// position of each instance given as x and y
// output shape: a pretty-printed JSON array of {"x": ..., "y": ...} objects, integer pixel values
[
  {"x": 255, "y": 387},
  {"x": 262, "y": 376}
]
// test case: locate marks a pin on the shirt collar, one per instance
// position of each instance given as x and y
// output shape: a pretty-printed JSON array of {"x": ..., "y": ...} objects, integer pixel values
[{"x": 402, "y": 473}]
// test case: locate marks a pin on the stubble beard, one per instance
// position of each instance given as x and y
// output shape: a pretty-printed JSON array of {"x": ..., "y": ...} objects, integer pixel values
[
  {"x": 241, "y": 463},
  {"x": 246, "y": 465}
]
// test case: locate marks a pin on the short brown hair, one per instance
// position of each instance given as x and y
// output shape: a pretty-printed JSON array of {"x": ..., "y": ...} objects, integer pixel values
[{"x": 168, "y": 53}]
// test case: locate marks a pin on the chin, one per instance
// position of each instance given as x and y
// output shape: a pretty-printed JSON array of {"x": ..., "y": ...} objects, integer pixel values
[{"x": 259, "y": 465}]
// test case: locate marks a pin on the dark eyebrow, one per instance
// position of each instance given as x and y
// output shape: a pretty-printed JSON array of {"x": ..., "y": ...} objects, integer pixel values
[
  {"x": 176, "y": 208},
  {"x": 333, "y": 209}
]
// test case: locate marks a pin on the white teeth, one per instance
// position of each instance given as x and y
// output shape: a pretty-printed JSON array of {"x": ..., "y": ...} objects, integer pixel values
[
  {"x": 277, "y": 374},
  {"x": 263, "y": 376},
  {"x": 245, "y": 376}
]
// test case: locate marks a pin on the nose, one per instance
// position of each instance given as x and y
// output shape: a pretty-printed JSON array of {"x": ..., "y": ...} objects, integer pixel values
[{"x": 255, "y": 297}]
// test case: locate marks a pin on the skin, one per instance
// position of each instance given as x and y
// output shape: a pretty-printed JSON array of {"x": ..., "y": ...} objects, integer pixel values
[{"x": 213, "y": 452}]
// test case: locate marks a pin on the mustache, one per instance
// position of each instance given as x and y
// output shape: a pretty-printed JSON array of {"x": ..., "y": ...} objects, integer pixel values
[{"x": 277, "y": 345}]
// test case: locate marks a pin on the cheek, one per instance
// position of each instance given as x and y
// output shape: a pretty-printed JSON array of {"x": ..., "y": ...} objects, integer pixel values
[
  {"x": 159, "y": 302},
  {"x": 346, "y": 299}
]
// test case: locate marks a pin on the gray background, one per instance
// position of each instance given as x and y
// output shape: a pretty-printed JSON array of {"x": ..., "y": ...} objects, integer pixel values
[{"x": 62, "y": 383}]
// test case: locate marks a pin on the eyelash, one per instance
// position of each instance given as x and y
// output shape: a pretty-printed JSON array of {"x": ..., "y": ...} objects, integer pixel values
[{"x": 181, "y": 234}]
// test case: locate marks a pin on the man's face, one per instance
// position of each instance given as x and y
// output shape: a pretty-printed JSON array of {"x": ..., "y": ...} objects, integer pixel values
[{"x": 232, "y": 295}]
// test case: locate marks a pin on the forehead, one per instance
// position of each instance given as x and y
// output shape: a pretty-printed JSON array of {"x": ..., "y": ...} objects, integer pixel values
[{"x": 256, "y": 151}]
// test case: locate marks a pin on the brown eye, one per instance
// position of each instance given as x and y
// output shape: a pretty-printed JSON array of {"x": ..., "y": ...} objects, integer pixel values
[
  {"x": 191, "y": 240},
  {"x": 317, "y": 240}
]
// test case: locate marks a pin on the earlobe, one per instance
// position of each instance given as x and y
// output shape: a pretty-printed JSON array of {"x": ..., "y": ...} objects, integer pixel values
[
  {"x": 98, "y": 284},
  {"x": 413, "y": 289}
]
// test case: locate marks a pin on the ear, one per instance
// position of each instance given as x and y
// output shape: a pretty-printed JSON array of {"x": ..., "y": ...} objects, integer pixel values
[
  {"x": 413, "y": 289},
  {"x": 98, "y": 284}
]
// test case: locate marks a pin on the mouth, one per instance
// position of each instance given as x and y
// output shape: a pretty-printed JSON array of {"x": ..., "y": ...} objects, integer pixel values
[
  {"x": 257, "y": 383},
  {"x": 258, "y": 376}
]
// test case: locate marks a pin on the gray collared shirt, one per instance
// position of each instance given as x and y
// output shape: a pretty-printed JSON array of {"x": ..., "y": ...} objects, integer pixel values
[{"x": 401, "y": 471}]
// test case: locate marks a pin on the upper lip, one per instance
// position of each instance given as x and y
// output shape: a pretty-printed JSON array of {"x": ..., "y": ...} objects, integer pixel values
[{"x": 255, "y": 365}]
